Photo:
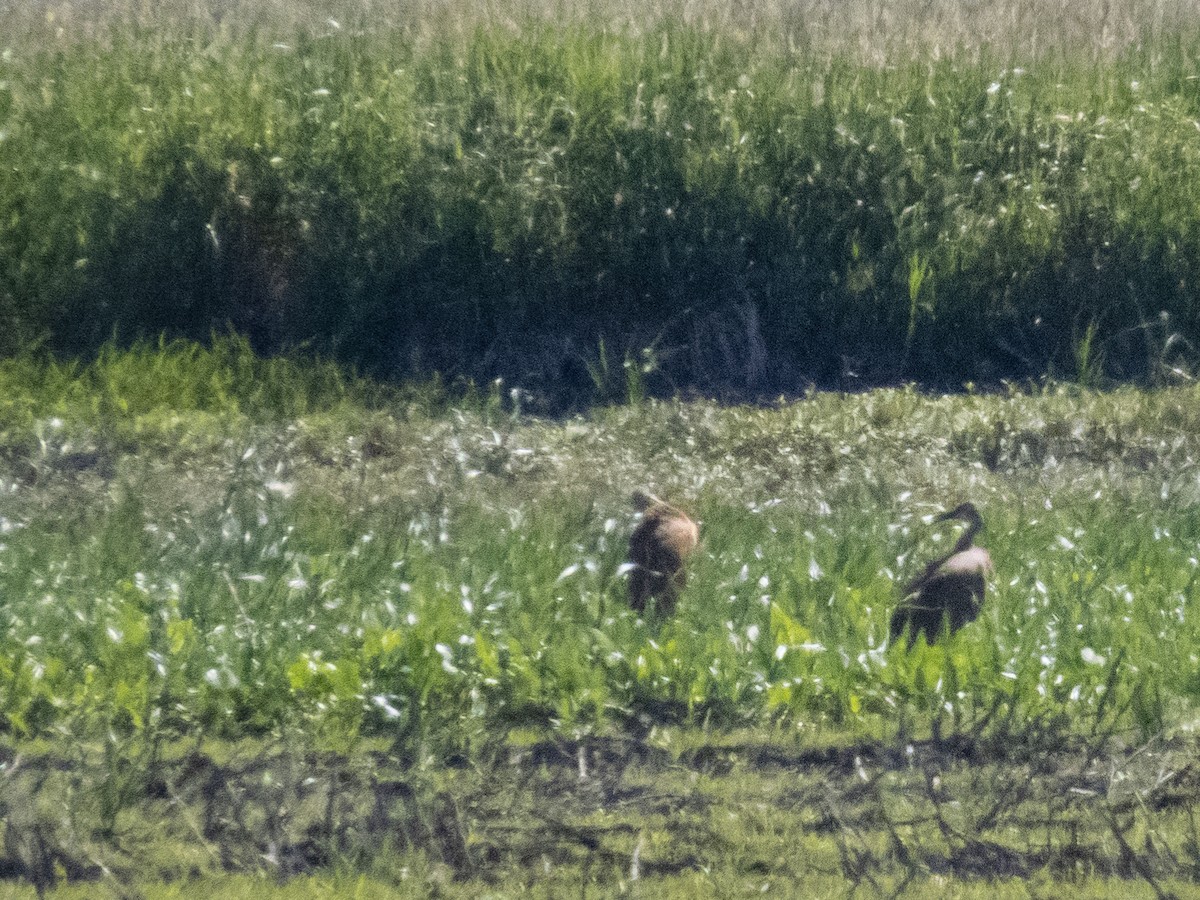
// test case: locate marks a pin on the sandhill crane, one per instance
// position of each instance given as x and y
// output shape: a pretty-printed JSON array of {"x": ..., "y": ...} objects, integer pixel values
[
  {"x": 951, "y": 587},
  {"x": 657, "y": 549}
]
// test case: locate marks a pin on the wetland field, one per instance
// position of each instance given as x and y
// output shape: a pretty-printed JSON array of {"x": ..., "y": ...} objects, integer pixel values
[
  {"x": 338, "y": 334},
  {"x": 268, "y": 624}
]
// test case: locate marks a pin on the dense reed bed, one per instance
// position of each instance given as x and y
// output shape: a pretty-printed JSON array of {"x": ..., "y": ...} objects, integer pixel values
[{"x": 730, "y": 200}]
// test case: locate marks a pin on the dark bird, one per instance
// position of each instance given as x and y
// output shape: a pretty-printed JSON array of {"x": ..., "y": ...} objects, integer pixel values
[
  {"x": 660, "y": 544},
  {"x": 951, "y": 588}
]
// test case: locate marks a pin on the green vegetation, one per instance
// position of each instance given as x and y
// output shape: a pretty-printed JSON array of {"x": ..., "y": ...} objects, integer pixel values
[
  {"x": 270, "y": 625},
  {"x": 293, "y": 624},
  {"x": 757, "y": 197}
]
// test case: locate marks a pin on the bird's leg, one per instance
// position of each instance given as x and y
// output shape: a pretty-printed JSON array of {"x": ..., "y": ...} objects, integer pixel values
[
  {"x": 935, "y": 725},
  {"x": 903, "y": 731}
]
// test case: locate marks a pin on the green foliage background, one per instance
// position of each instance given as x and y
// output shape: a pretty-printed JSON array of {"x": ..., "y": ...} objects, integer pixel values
[{"x": 757, "y": 198}]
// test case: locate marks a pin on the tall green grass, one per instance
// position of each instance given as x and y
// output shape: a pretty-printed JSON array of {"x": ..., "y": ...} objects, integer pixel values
[{"x": 766, "y": 199}]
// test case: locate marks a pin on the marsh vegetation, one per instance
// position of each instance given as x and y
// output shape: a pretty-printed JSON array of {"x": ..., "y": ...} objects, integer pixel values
[
  {"x": 739, "y": 199},
  {"x": 341, "y": 625},
  {"x": 269, "y": 626}
]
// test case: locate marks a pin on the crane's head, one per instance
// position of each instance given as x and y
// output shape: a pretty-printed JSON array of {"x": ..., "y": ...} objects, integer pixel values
[{"x": 965, "y": 512}]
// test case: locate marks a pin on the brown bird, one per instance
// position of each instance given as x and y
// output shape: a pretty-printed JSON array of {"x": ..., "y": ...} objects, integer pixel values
[
  {"x": 950, "y": 588},
  {"x": 658, "y": 548}
]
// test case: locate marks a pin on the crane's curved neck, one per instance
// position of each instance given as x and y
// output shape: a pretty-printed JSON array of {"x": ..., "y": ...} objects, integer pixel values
[
  {"x": 974, "y": 523},
  {"x": 968, "y": 536}
]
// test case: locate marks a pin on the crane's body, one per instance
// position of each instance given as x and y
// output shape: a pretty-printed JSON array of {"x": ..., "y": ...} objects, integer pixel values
[
  {"x": 951, "y": 588},
  {"x": 658, "y": 549}
]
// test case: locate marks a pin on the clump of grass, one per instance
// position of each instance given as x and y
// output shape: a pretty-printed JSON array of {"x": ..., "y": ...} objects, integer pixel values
[{"x": 119, "y": 390}]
